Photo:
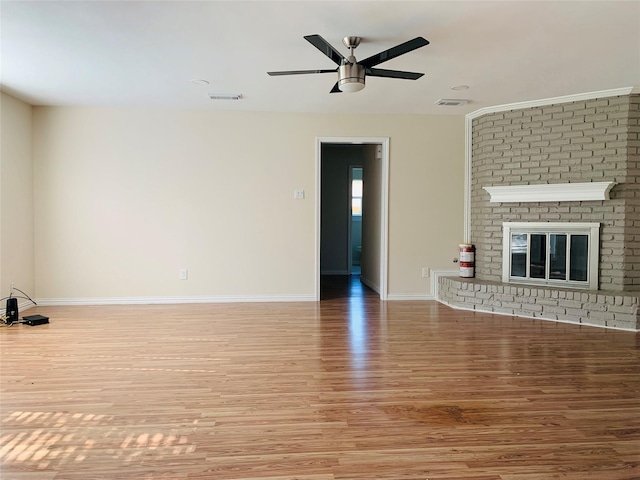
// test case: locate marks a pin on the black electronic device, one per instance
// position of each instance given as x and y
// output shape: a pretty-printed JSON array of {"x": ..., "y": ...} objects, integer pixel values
[
  {"x": 34, "y": 320},
  {"x": 12, "y": 310}
]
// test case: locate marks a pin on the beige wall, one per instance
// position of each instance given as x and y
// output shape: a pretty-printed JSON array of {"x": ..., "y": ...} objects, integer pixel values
[
  {"x": 127, "y": 197},
  {"x": 372, "y": 204},
  {"x": 16, "y": 198},
  {"x": 426, "y": 200}
]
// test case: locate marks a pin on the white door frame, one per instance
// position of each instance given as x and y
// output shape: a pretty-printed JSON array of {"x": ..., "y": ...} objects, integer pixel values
[{"x": 384, "y": 207}]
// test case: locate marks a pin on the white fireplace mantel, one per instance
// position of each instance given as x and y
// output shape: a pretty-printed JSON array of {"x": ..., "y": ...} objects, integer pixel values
[{"x": 550, "y": 192}]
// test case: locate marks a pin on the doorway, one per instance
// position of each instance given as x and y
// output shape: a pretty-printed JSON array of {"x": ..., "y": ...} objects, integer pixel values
[
  {"x": 336, "y": 257},
  {"x": 355, "y": 222}
]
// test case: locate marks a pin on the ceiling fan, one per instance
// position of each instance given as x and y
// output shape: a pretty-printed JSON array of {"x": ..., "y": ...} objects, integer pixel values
[{"x": 351, "y": 73}]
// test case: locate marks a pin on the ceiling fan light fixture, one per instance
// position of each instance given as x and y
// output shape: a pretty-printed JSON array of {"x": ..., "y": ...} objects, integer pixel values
[
  {"x": 351, "y": 73},
  {"x": 351, "y": 77}
]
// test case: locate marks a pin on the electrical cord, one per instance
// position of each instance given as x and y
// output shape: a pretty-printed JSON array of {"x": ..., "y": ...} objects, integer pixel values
[
  {"x": 25, "y": 295},
  {"x": 4, "y": 321},
  {"x": 18, "y": 296}
]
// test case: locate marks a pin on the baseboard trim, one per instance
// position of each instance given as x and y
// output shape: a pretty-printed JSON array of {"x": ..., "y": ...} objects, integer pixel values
[
  {"x": 409, "y": 297},
  {"x": 432, "y": 295},
  {"x": 433, "y": 288},
  {"x": 370, "y": 284},
  {"x": 174, "y": 300},
  {"x": 435, "y": 275}
]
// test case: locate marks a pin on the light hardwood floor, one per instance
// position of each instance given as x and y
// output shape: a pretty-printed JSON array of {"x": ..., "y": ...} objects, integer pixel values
[{"x": 340, "y": 389}]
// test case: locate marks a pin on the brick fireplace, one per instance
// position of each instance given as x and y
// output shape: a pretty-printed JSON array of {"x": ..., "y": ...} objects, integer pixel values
[{"x": 567, "y": 141}]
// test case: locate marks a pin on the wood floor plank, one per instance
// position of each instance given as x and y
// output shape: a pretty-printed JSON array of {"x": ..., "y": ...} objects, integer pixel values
[{"x": 336, "y": 390}]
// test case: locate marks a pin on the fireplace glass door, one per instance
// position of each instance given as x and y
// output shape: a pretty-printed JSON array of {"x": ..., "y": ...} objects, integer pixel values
[
  {"x": 563, "y": 254},
  {"x": 558, "y": 256}
]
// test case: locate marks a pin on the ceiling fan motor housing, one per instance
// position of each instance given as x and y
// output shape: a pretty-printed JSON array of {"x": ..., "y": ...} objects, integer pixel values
[{"x": 351, "y": 77}]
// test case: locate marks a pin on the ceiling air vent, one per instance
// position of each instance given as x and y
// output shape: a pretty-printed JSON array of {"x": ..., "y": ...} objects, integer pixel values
[
  {"x": 452, "y": 102},
  {"x": 225, "y": 96}
]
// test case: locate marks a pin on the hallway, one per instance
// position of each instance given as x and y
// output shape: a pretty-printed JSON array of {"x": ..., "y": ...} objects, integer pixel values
[{"x": 334, "y": 287}]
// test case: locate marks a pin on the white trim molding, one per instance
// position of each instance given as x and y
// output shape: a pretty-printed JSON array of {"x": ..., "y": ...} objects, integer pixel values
[
  {"x": 468, "y": 154},
  {"x": 409, "y": 297},
  {"x": 614, "y": 92},
  {"x": 383, "y": 288},
  {"x": 372, "y": 285},
  {"x": 550, "y": 192},
  {"x": 433, "y": 287},
  {"x": 173, "y": 300},
  {"x": 435, "y": 276}
]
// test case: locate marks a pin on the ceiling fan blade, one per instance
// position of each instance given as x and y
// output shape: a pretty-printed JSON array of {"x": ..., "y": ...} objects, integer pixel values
[
  {"x": 324, "y": 46},
  {"x": 381, "y": 72},
  {"x": 300, "y": 72},
  {"x": 335, "y": 89},
  {"x": 394, "y": 52}
]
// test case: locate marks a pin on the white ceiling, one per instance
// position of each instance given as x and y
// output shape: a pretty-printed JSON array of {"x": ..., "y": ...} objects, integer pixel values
[{"x": 145, "y": 53}]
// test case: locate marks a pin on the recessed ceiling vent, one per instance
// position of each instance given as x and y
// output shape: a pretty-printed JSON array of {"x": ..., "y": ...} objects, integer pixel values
[
  {"x": 452, "y": 102},
  {"x": 225, "y": 96}
]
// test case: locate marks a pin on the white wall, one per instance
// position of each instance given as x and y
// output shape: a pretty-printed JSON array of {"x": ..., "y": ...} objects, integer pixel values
[
  {"x": 126, "y": 197},
  {"x": 16, "y": 198}
]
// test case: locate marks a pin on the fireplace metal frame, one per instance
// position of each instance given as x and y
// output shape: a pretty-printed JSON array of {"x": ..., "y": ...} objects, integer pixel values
[{"x": 592, "y": 230}]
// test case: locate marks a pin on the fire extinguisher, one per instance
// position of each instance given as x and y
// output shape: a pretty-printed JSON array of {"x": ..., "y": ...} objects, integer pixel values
[{"x": 467, "y": 260}]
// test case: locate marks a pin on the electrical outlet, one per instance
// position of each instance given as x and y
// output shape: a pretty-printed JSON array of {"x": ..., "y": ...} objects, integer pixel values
[
  {"x": 184, "y": 274},
  {"x": 425, "y": 272}
]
